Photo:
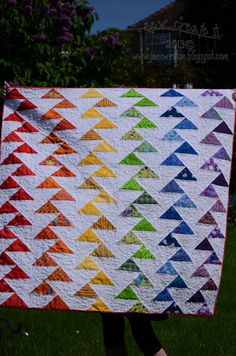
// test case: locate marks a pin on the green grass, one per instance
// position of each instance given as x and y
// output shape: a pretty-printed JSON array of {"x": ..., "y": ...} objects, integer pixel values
[{"x": 55, "y": 333}]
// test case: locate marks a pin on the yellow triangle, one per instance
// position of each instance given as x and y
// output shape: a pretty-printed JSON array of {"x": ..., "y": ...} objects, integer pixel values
[
  {"x": 104, "y": 146},
  {"x": 105, "y": 124},
  {"x": 90, "y": 183},
  {"x": 104, "y": 171},
  {"x": 100, "y": 306},
  {"x": 102, "y": 251},
  {"x": 88, "y": 263},
  {"x": 91, "y": 158},
  {"x": 101, "y": 278},
  {"x": 104, "y": 197},
  {"x": 91, "y": 93},
  {"x": 88, "y": 236},
  {"x": 92, "y": 113},
  {"x": 105, "y": 103},
  {"x": 90, "y": 209}
]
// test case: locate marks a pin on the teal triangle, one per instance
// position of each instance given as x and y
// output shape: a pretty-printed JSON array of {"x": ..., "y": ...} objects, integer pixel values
[
  {"x": 145, "y": 147},
  {"x": 132, "y": 112}
]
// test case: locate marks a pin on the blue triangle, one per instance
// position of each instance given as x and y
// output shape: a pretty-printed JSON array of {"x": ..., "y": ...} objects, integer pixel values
[
  {"x": 183, "y": 228},
  {"x": 185, "y": 174},
  {"x": 167, "y": 268},
  {"x": 186, "y": 148},
  {"x": 173, "y": 309},
  {"x": 172, "y": 187},
  {"x": 178, "y": 282},
  {"x": 163, "y": 296},
  {"x": 186, "y": 102},
  {"x": 173, "y": 112},
  {"x": 185, "y": 202},
  {"x": 186, "y": 125},
  {"x": 181, "y": 255},
  {"x": 171, "y": 214},
  {"x": 172, "y": 136},
  {"x": 172, "y": 160},
  {"x": 169, "y": 241},
  {"x": 171, "y": 93}
]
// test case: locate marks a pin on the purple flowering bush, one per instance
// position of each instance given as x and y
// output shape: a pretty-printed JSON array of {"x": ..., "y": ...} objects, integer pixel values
[{"x": 47, "y": 42}]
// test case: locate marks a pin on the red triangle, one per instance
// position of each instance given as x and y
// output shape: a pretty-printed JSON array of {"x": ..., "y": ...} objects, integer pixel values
[
  {"x": 27, "y": 127},
  {"x": 44, "y": 289},
  {"x": 23, "y": 170},
  {"x": 14, "y": 94},
  {"x": 16, "y": 273},
  {"x": 18, "y": 246},
  {"x": 6, "y": 233},
  {"x": 46, "y": 234},
  {"x": 7, "y": 208},
  {"x": 60, "y": 220},
  {"x": 57, "y": 303},
  {"x": 45, "y": 260},
  {"x": 21, "y": 194},
  {"x": 15, "y": 301},
  {"x": 11, "y": 159},
  {"x": 26, "y": 105},
  {"x": 9, "y": 183},
  {"x": 13, "y": 137},
  {"x": 25, "y": 148},
  {"x": 4, "y": 287},
  {"x": 64, "y": 125},
  {"x": 6, "y": 260},
  {"x": 20, "y": 220},
  {"x": 14, "y": 117}
]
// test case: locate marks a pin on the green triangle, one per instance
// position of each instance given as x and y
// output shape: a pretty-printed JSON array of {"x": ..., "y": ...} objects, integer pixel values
[
  {"x": 132, "y": 112},
  {"x": 138, "y": 308},
  {"x": 132, "y": 184},
  {"x": 144, "y": 225},
  {"x": 131, "y": 238},
  {"x": 131, "y": 212},
  {"x": 146, "y": 172},
  {"x": 145, "y": 123},
  {"x": 143, "y": 252},
  {"x": 145, "y": 147},
  {"x": 127, "y": 293},
  {"x": 145, "y": 102},
  {"x": 132, "y": 93},
  {"x": 132, "y": 135},
  {"x": 132, "y": 159},
  {"x": 145, "y": 198},
  {"x": 142, "y": 281}
]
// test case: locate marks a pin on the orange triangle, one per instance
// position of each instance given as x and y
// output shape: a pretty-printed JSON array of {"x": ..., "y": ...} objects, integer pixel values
[
  {"x": 91, "y": 158},
  {"x": 63, "y": 172},
  {"x": 104, "y": 171},
  {"x": 49, "y": 183},
  {"x": 105, "y": 103},
  {"x": 86, "y": 292},
  {"x": 88, "y": 236},
  {"x": 92, "y": 113},
  {"x": 52, "y": 138},
  {"x": 62, "y": 195},
  {"x": 101, "y": 278},
  {"x": 52, "y": 94},
  {"x": 59, "y": 275},
  {"x": 60, "y": 247},
  {"x": 90, "y": 183},
  {"x": 44, "y": 289},
  {"x": 46, "y": 234},
  {"x": 64, "y": 125},
  {"x": 105, "y": 124},
  {"x": 60, "y": 220},
  {"x": 57, "y": 303},
  {"x": 64, "y": 149},
  {"x": 91, "y": 135},
  {"x": 104, "y": 224},
  {"x": 102, "y": 251},
  {"x": 45, "y": 260},
  {"x": 65, "y": 104},
  {"x": 51, "y": 114},
  {"x": 50, "y": 161},
  {"x": 48, "y": 208}
]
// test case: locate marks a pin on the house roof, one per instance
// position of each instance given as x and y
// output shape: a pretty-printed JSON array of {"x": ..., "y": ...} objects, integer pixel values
[{"x": 170, "y": 13}]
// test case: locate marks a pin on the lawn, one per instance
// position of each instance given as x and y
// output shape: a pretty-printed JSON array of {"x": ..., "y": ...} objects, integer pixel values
[{"x": 55, "y": 333}]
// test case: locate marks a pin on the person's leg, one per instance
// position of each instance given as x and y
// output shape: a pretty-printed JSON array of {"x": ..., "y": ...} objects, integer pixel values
[
  {"x": 144, "y": 335},
  {"x": 113, "y": 334}
]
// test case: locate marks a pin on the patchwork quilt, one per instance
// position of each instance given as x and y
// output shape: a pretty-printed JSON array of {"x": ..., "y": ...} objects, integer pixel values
[{"x": 114, "y": 199}]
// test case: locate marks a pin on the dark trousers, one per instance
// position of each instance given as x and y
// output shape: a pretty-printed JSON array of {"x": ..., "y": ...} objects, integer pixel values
[{"x": 113, "y": 332}]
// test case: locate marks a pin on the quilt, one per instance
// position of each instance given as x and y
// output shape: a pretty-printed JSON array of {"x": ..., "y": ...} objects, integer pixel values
[{"x": 114, "y": 199}]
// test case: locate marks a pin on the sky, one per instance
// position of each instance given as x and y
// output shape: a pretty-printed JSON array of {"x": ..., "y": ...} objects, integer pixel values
[{"x": 122, "y": 13}]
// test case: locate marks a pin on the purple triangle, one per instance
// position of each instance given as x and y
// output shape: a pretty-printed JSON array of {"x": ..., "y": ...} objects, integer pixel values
[
  {"x": 201, "y": 272},
  {"x": 204, "y": 310},
  {"x": 211, "y": 139},
  {"x": 209, "y": 192},
  {"x": 216, "y": 233},
  {"x": 204, "y": 246},
  {"x": 211, "y": 92},
  {"x": 213, "y": 259},
  {"x": 224, "y": 103},
  {"x": 212, "y": 114},
  {"x": 196, "y": 298},
  {"x": 218, "y": 207},
  {"x": 221, "y": 181},
  {"x": 222, "y": 154},
  {"x": 211, "y": 165},
  {"x": 223, "y": 128}
]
